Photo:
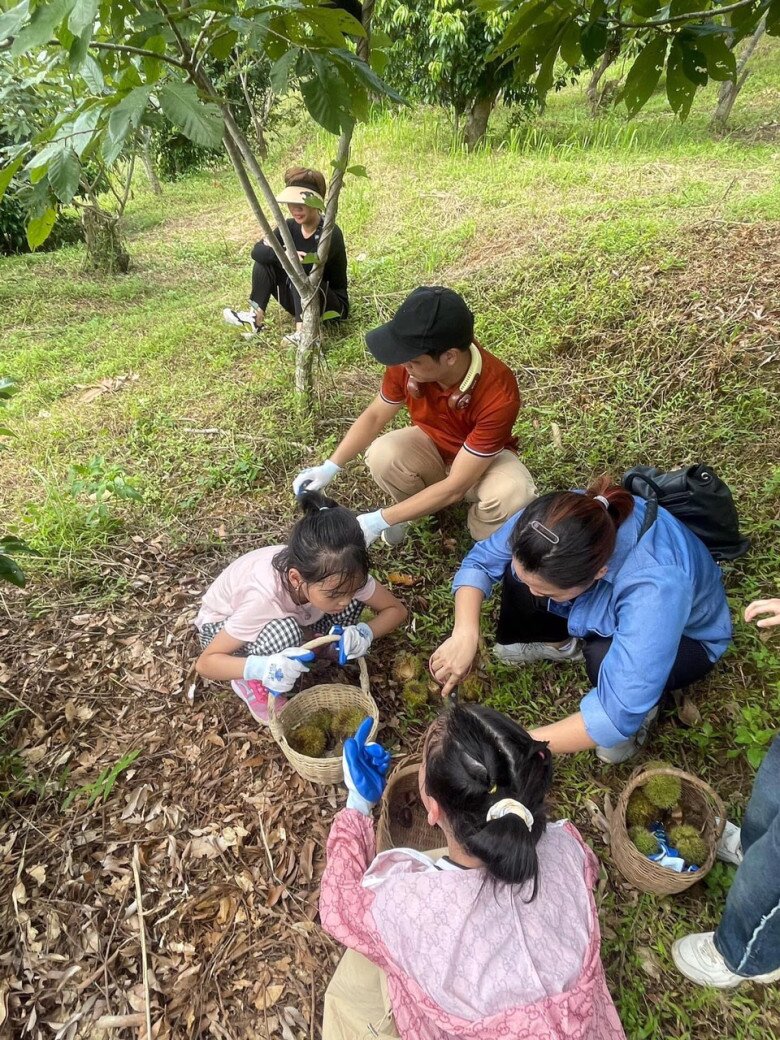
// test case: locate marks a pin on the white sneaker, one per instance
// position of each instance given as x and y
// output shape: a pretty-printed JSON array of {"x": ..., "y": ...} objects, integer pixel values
[
  {"x": 524, "y": 653},
  {"x": 698, "y": 960},
  {"x": 395, "y": 535},
  {"x": 242, "y": 320},
  {"x": 626, "y": 749},
  {"x": 292, "y": 337},
  {"x": 730, "y": 844}
]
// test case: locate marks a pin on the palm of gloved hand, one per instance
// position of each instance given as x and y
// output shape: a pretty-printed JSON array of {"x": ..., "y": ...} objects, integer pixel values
[
  {"x": 355, "y": 641},
  {"x": 365, "y": 768}
]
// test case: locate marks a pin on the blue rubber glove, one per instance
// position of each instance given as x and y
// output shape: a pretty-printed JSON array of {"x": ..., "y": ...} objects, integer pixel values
[
  {"x": 355, "y": 641},
  {"x": 278, "y": 672},
  {"x": 372, "y": 525},
  {"x": 365, "y": 766}
]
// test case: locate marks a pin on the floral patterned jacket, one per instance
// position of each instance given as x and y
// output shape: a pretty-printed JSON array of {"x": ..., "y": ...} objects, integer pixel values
[{"x": 467, "y": 959}]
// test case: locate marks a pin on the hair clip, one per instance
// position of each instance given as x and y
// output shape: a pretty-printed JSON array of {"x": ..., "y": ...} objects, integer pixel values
[
  {"x": 493, "y": 789},
  {"x": 604, "y": 501},
  {"x": 322, "y": 508},
  {"x": 545, "y": 532}
]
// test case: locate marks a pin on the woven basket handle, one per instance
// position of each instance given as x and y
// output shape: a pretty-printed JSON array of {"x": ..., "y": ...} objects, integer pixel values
[
  {"x": 640, "y": 773},
  {"x": 273, "y": 721}
]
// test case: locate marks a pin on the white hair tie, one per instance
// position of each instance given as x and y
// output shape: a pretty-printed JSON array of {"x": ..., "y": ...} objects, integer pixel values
[
  {"x": 604, "y": 502},
  {"x": 510, "y": 805}
]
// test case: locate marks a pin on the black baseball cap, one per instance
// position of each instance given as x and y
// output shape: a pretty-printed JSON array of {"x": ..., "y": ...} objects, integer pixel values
[{"x": 432, "y": 318}]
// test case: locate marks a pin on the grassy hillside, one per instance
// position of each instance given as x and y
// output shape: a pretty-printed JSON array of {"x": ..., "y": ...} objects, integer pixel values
[{"x": 627, "y": 271}]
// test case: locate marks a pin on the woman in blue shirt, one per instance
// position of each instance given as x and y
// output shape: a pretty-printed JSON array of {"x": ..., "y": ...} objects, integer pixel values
[{"x": 651, "y": 612}]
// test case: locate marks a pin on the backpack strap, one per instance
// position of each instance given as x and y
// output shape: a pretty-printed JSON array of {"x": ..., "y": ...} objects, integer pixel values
[{"x": 651, "y": 513}]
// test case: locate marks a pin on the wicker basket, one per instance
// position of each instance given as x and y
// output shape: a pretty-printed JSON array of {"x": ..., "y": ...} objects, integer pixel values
[
  {"x": 701, "y": 805},
  {"x": 390, "y": 833},
  {"x": 329, "y": 696}
]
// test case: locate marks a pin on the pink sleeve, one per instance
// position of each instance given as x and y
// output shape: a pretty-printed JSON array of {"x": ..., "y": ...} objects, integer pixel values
[
  {"x": 367, "y": 591},
  {"x": 345, "y": 905}
]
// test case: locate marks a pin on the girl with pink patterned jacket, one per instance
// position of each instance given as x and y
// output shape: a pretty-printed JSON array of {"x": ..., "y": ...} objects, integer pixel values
[{"x": 497, "y": 939}]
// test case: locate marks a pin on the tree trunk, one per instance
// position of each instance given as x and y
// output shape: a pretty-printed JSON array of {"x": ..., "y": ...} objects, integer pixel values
[
  {"x": 729, "y": 89},
  {"x": 609, "y": 57},
  {"x": 309, "y": 348},
  {"x": 104, "y": 238},
  {"x": 146, "y": 158},
  {"x": 477, "y": 120}
]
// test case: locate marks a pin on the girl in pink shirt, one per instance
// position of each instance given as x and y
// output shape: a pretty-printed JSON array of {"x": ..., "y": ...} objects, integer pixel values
[
  {"x": 265, "y": 604},
  {"x": 498, "y": 939}
]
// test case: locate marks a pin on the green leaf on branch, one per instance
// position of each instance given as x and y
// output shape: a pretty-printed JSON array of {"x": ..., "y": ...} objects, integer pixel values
[
  {"x": 594, "y": 41},
  {"x": 330, "y": 315},
  {"x": 39, "y": 228},
  {"x": 127, "y": 114},
  {"x": 644, "y": 74},
  {"x": 200, "y": 121},
  {"x": 223, "y": 45},
  {"x": 695, "y": 64},
  {"x": 679, "y": 88},
  {"x": 11, "y": 571},
  {"x": 64, "y": 174},
  {"x": 309, "y": 258},
  {"x": 12, "y": 21},
  {"x": 281, "y": 69},
  {"x": 324, "y": 96},
  {"x": 9, "y": 543},
  {"x": 680, "y": 7},
  {"x": 773, "y": 18},
  {"x": 358, "y": 171},
  {"x": 42, "y": 25},
  {"x": 7, "y": 173},
  {"x": 83, "y": 16},
  {"x": 571, "y": 49},
  {"x": 92, "y": 75},
  {"x": 151, "y": 66},
  {"x": 645, "y": 8}
]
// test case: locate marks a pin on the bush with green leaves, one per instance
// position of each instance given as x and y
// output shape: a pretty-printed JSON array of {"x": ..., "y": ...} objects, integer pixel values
[
  {"x": 100, "y": 482},
  {"x": 688, "y": 42}
]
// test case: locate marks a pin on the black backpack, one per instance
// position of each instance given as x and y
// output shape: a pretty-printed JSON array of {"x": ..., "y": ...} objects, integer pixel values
[{"x": 698, "y": 498}]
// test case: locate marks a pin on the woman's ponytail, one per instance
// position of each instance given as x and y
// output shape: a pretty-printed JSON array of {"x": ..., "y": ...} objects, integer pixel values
[
  {"x": 490, "y": 778},
  {"x": 565, "y": 538}
]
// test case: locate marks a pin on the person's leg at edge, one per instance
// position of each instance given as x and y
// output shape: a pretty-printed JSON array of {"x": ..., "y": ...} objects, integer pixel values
[
  {"x": 356, "y": 1002},
  {"x": 690, "y": 665},
  {"x": 505, "y": 487},
  {"x": 748, "y": 936},
  {"x": 403, "y": 462},
  {"x": 527, "y": 630}
]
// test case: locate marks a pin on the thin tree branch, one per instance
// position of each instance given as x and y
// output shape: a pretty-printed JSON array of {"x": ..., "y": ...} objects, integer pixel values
[
  {"x": 144, "y": 53},
  {"x": 201, "y": 36},
  {"x": 331, "y": 207},
  {"x": 691, "y": 16}
]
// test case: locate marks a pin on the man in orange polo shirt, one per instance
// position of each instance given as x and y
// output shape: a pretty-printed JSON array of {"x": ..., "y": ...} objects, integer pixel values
[{"x": 462, "y": 402}]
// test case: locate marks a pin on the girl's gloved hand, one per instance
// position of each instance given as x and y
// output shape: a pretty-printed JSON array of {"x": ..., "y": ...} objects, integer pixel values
[
  {"x": 365, "y": 766},
  {"x": 372, "y": 525},
  {"x": 355, "y": 641},
  {"x": 315, "y": 478},
  {"x": 278, "y": 672}
]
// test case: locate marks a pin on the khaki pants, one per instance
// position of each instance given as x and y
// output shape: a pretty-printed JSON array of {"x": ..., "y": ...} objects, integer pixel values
[
  {"x": 405, "y": 461},
  {"x": 356, "y": 1003}
]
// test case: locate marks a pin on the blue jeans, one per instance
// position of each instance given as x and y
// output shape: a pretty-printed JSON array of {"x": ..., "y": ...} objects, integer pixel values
[{"x": 748, "y": 936}]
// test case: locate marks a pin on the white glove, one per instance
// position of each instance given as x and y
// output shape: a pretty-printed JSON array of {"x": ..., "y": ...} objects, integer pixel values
[
  {"x": 355, "y": 641},
  {"x": 372, "y": 525},
  {"x": 278, "y": 672},
  {"x": 315, "y": 478}
]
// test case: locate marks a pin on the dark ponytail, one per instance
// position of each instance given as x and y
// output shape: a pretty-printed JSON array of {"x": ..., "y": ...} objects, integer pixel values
[
  {"x": 565, "y": 538},
  {"x": 475, "y": 757},
  {"x": 327, "y": 542}
]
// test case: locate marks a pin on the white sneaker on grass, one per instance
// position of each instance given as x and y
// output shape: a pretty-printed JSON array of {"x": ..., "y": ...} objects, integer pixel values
[
  {"x": 524, "y": 653},
  {"x": 730, "y": 845},
  {"x": 698, "y": 960},
  {"x": 242, "y": 320}
]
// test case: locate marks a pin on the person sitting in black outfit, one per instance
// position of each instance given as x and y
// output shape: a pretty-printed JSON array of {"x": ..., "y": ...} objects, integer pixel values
[{"x": 268, "y": 276}]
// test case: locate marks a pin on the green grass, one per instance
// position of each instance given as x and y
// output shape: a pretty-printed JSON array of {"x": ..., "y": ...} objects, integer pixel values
[{"x": 617, "y": 266}]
